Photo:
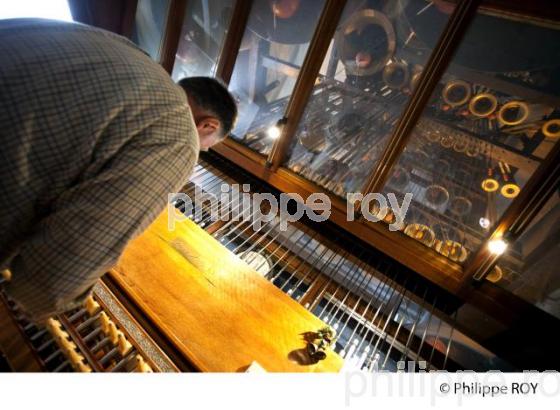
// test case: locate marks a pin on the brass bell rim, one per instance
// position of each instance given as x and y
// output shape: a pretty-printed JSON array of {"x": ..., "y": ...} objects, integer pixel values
[
  {"x": 495, "y": 275},
  {"x": 414, "y": 79},
  {"x": 441, "y": 163},
  {"x": 432, "y": 136},
  {"x": 446, "y": 248},
  {"x": 490, "y": 185},
  {"x": 460, "y": 146},
  {"x": 358, "y": 20},
  {"x": 447, "y": 141},
  {"x": 514, "y": 104},
  {"x": 406, "y": 178},
  {"x": 477, "y": 98},
  {"x": 389, "y": 217},
  {"x": 392, "y": 67},
  {"x": 454, "y": 208},
  {"x": 510, "y": 190},
  {"x": 546, "y": 128},
  {"x": 428, "y": 238},
  {"x": 472, "y": 151},
  {"x": 439, "y": 189},
  {"x": 313, "y": 142},
  {"x": 452, "y": 84}
]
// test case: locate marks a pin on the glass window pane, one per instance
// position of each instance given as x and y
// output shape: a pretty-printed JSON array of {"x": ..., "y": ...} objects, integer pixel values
[
  {"x": 529, "y": 268},
  {"x": 149, "y": 26},
  {"x": 368, "y": 74},
  {"x": 270, "y": 57},
  {"x": 488, "y": 126},
  {"x": 202, "y": 37}
]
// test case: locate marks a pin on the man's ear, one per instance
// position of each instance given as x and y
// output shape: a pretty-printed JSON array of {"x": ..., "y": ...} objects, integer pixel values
[{"x": 208, "y": 126}]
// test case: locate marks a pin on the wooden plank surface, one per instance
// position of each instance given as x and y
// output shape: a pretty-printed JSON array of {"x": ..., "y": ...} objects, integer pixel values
[{"x": 213, "y": 307}]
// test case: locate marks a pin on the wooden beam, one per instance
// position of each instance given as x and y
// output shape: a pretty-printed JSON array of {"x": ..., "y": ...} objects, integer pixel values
[
  {"x": 316, "y": 52},
  {"x": 232, "y": 42},
  {"x": 172, "y": 33},
  {"x": 544, "y": 12}
]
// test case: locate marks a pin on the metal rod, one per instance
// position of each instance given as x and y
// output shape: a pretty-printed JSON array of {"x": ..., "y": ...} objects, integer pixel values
[
  {"x": 355, "y": 291},
  {"x": 124, "y": 361},
  {"x": 271, "y": 255},
  {"x": 355, "y": 313},
  {"x": 91, "y": 335},
  {"x": 419, "y": 351},
  {"x": 413, "y": 328},
  {"x": 61, "y": 366},
  {"x": 389, "y": 318},
  {"x": 450, "y": 340},
  {"x": 87, "y": 322},
  {"x": 362, "y": 321},
  {"x": 354, "y": 271},
  {"x": 343, "y": 258},
  {"x": 434, "y": 345},
  {"x": 373, "y": 327},
  {"x": 399, "y": 327},
  {"x": 272, "y": 225},
  {"x": 108, "y": 356},
  {"x": 291, "y": 258}
]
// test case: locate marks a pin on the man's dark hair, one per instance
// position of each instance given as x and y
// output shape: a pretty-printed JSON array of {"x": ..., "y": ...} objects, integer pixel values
[{"x": 213, "y": 96}]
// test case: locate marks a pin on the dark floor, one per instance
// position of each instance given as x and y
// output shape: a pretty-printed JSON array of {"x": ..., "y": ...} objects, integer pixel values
[{"x": 4, "y": 366}]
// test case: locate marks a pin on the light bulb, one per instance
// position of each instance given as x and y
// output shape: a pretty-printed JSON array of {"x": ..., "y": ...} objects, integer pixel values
[
  {"x": 273, "y": 132},
  {"x": 484, "y": 222},
  {"x": 497, "y": 246}
]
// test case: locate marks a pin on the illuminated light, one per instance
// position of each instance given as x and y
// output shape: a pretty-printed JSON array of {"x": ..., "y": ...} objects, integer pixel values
[
  {"x": 273, "y": 132},
  {"x": 484, "y": 222},
  {"x": 497, "y": 246},
  {"x": 53, "y": 9}
]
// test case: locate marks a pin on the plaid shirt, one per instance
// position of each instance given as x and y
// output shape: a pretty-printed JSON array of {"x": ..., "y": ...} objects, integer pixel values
[{"x": 93, "y": 136}]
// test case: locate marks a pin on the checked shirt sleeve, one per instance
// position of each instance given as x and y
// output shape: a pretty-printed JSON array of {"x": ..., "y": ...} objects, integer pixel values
[{"x": 91, "y": 222}]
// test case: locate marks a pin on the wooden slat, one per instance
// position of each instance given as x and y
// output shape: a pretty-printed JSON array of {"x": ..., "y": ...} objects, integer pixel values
[{"x": 216, "y": 310}]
